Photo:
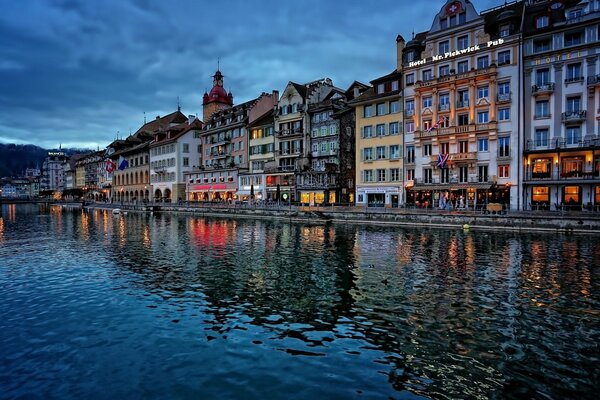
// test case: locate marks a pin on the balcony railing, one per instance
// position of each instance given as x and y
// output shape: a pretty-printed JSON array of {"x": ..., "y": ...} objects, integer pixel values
[
  {"x": 555, "y": 174},
  {"x": 160, "y": 170},
  {"x": 543, "y": 89},
  {"x": 561, "y": 143},
  {"x": 444, "y": 107},
  {"x": 461, "y": 104},
  {"x": 491, "y": 70},
  {"x": 409, "y": 113},
  {"x": 573, "y": 116},
  {"x": 593, "y": 80},
  {"x": 490, "y": 126},
  {"x": 286, "y": 153},
  {"x": 289, "y": 132},
  {"x": 502, "y": 97}
]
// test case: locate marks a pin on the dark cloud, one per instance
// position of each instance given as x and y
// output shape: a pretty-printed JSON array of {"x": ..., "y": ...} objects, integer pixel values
[{"x": 77, "y": 72}]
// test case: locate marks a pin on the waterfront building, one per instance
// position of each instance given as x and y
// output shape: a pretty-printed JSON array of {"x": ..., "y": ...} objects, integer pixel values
[
  {"x": 53, "y": 172},
  {"x": 174, "y": 151},
  {"x": 292, "y": 138},
  {"x": 320, "y": 184},
  {"x": 87, "y": 174},
  {"x": 261, "y": 148},
  {"x": 561, "y": 160},
  {"x": 346, "y": 120},
  {"x": 379, "y": 143},
  {"x": 224, "y": 146},
  {"x": 70, "y": 171},
  {"x": 461, "y": 108}
]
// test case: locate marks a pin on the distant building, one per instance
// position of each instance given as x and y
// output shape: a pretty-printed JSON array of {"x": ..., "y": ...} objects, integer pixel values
[{"x": 53, "y": 172}]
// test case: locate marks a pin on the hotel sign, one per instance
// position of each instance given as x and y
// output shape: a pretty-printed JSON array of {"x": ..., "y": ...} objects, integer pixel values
[
  {"x": 452, "y": 54},
  {"x": 557, "y": 57}
]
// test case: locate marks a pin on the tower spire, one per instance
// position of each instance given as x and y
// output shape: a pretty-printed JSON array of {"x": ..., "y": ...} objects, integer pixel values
[{"x": 178, "y": 105}]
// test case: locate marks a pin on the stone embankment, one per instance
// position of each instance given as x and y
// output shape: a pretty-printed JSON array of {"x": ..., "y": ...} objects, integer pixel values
[{"x": 580, "y": 222}]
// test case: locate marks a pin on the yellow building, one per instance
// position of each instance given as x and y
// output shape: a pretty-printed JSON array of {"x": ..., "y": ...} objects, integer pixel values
[{"x": 379, "y": 143}]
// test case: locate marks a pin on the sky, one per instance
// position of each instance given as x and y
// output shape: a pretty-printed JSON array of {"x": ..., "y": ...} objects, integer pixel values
[{"x": 82, "y": 73}]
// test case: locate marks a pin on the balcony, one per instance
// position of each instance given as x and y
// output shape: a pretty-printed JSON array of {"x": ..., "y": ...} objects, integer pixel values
[
  {"x": 560, "y": 143},
  {"x": 555, "y": 174},
  {"x": 462, "y": 104},
  {"x": 218, "y": 154},
  {"x": 503, "y": 97},
  {"x": 573, "y": 116},
  {"x": 219, "y": 141},
  {"x": 593, "y": 80},
  {"x": 490, "y": 126},
  {"x": 160, "y": 170},
  {"x": 547, "y": 88},
  {"x": 462, "y": 76},
  {"x": 289, "y": 132},
  {"x": 463, "y": 157},
  {"x": 444, "y": 107},
  {"x": 409, "y": 113},
  {"x": 288, "y": 153}
]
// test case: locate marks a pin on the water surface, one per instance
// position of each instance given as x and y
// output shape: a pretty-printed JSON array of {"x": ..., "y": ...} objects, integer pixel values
[{"x": 166, "y": 306}]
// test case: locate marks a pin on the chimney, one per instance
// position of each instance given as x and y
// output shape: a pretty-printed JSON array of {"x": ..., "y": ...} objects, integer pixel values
[
  {"x": 275, "y": 96},
  {"x": 191, "y": 119},
  {"x": 158, "y": 117},
  {"x": 399, "y": 50}
]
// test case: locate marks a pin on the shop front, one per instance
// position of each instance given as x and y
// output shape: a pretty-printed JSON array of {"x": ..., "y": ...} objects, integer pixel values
[
  {"x": 389, "y": 197},
  {"x": 317, "y": 197}
]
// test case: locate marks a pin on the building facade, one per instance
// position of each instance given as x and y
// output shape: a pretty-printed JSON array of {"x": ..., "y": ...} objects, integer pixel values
[
  {"x": 53, "y": 171},
  {"x": 379, "y": 143},
  {"x": 461, "y": 108},
  {"x": 561, "y": 160}
]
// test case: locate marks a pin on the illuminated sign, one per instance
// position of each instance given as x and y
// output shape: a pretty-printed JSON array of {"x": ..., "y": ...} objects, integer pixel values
[
  {"x": 557, "y": 57},
  {"x": 452, "y": 54}
]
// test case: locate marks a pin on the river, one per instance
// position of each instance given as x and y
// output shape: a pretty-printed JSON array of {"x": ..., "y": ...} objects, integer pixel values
[{"x": 177, "y": 306}]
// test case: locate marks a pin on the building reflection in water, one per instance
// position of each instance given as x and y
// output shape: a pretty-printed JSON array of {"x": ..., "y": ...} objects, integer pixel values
[
  {"x": 462, "y": 309},
  {"x": 85, "y": 225},
  {"x": 1, "y": 229}
]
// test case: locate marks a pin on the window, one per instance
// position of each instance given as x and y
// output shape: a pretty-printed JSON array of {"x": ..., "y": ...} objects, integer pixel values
[
  {"x": 463, "y": 98},
  {"x": 380, "y": 152},
  {"x": 542, "y": 109},
  {"x": 543, "y": 44},
  {"x": 380, "y": 88},
  {"x": 573, "y": 38},
  {"x": 186, "y": 162},
  {"x": 443, "y": 47},
  {"x": 504, "y": 57},
  {"x": 483, "y": 117},
  {"x": 504, "y": 146},
  {"x": 427, "y": 124},
  {"x": 444, "y": 70},
  {"x": 381, "y": 109},
  {"x": 483, "y": 92},
  {"x": 410, "y": 108},
  {"x": 368, "y": 175},
  {"x": 410, "y": 127},
  {"x": 542, "y": 77},
  {"x": 394, "y": 106},
  {"x": 482, "y": 144},
  {"x": 463, "y": 174},
  {"x": 381, "y": 175},
  {"x": 427, "y": 149},
  {"x": 462, "y": 42},
  {"x": 410, "y": 174},
  {"x": 394, "y": 174},
  {"x": 444, "y": 101},
  {"x": 394, "y": 128},
  {"x": 573, "y": 135},
  {"x": 503, "y": 171},
  {"x": 367, "y": 131},
  {"x": 368, "y": 111},
  {"x": 368, "y": 154},
  {"x": 410, "y": 79},
  {"x": 482, "y": 173},
  {"x": 427, "y": 175},
  {"x": 462, "y": 66},
  {"x": 574, "y": 73},
  {"x": 463, "y": 119},
  {"x": 542, "y": 21},
  {"x": 504, "y": 30},
  {"x": 186, "y": 147},
  {"x": 573, "y": 104},
  {"x": 443, "y": 23},
  {"x": 574, "y": 14},
  {"x": 503, "y": 89},
  {"x": 504, "y": 114},
  {"x": 463, "y": 146},
  {"x": 395, "y": 85},
  {"x": 541, "y": 137},
  {"x": 394, "y": 152},
  {"x": 381, "y": 130},
  {"x": 410, "y": 56},
  {"x": 483, "y": 62},
  {"x": 410, "y": 154},
  {"x": 427, "y": 102},
  {"x": 444, "y": 148},
  {"x": 427, "y": 75}
]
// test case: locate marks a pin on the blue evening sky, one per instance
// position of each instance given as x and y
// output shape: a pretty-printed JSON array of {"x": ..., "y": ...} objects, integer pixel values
[{"x": 77, "y": 72}]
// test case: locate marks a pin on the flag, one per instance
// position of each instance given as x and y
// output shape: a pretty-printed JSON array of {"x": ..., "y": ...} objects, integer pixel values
[
  {"x": 110, "y": 166},
  {"x": 442, "y": 160},
  {"x": 123, "y": 163},
  {"x": 437, "y": 124}
]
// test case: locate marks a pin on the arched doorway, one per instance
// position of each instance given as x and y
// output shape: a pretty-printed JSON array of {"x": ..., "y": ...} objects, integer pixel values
[
  {"x": 168, "y": 195},
  {"x": 157, "y": 195}
]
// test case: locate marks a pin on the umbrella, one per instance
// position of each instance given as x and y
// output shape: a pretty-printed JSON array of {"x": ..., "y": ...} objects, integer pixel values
[{"x": 251, "y": 191}]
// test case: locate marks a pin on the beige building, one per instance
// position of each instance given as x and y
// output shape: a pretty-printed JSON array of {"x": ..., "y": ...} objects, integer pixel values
[{"x": 379, "y": 142}]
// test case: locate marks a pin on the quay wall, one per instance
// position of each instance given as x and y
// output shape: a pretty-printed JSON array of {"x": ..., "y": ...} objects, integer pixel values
[{"x": 566, "y": 223}]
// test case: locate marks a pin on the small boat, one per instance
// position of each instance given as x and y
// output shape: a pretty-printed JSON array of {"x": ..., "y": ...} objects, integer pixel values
[{"x": 116, "y": 211}]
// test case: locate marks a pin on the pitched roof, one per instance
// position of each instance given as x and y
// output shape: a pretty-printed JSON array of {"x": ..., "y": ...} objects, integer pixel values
[{"x": 163, "y": 122}]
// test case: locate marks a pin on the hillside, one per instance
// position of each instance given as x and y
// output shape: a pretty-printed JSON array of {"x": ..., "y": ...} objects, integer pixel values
[{"x": 15, "y": 158}]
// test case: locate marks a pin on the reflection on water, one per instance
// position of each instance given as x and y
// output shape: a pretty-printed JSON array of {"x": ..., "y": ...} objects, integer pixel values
[{"x": 184, "y": 306}]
